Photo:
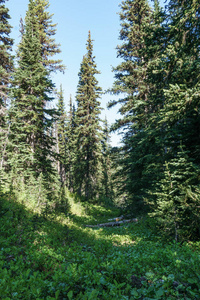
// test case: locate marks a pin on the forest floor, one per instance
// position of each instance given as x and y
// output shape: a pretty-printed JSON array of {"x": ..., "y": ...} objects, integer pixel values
[{"x": 58, "y": 257}]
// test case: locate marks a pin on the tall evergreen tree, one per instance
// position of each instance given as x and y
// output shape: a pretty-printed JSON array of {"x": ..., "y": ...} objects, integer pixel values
[
  {"x": 135, "y": 17},
  {"x": 182, "y": 94},
  {"x": 180, "y": 115},
  {"x": 47, "y": 31},
  {"x": 5, "y": 55},
  {"x": 71, "y": 145},
  {"x": 30, "y": 118},
  {"x": 178, "y": 198},
  {"x": 131, "y": 80},
  {"x": 160, "y": 79},
  {"x": 6, "y": 67},
  {"x": 107, "y": 188},
  {"x": 88, "y": 130},
  {"x": 61, "y": 137},
  {"x": 145, "y": 148}
]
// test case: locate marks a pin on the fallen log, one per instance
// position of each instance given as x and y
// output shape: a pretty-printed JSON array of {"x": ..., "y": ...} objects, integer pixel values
[
  {"x": 117, "y": 219},
  {"x": 111, "y": 224}
]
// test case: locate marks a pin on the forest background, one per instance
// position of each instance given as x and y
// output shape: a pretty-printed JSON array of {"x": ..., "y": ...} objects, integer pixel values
[
  {"x": 61, "y": 178},
  {"x": 155, "y": 90},
  {"x": 74, "y": 20}
]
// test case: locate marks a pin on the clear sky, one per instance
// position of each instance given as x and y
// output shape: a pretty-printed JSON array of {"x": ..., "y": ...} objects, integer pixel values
[{"x": 74, "y": 19}]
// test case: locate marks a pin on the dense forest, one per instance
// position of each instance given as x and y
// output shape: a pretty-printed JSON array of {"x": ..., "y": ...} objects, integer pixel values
[{"x": 59, "y": 172}]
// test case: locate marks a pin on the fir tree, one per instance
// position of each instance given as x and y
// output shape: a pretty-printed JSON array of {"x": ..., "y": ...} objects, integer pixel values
[
  {"x": 30, "y": 118},
  {"x": 178, "y": 198},
  {"x": 107, "y": 188},
  {"x": 47, "y": 31},
  {"x": 71, "y": 145},
  {"x": 179, "y": 117},
  {"x": 88, "y": 130},
  {"x": 135, "y": 17},
  {"x": 5, "y": 55},
  {"x": 145, "y": 147},
  {"x": 6, "y": 62},
  {"x": 131, "y": 80},
  {"x": 182, "y": 95},
  {"x": 61, "y": 137}
]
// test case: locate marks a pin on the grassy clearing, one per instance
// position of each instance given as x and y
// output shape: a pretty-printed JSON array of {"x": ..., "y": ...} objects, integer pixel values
[{"x": 57, "y": 257}]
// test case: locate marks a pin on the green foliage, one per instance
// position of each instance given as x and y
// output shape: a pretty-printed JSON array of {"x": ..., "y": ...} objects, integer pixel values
[
  {"x": 107, "y": 165},
  {"x": 61, "y": 137},
  {"x": 6, "y": 69},
  {"x": 45, "y": 258},
  {"x": 71, "y": 146},
  {"x": 30, "y": 149},
  {"x": 88, "y": 132},
  {"x": 37, "y": 194},
  {"x": 130, "y": 80},
  {"x": 47, "y": 31},
  {"x": 5, "y": 55},
  {"x": 159, "y": 83},
  {"x": 178, "y": 198}
]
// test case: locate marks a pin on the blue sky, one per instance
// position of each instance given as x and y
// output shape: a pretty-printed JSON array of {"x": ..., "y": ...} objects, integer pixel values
[{"x": 74, "y": 19}]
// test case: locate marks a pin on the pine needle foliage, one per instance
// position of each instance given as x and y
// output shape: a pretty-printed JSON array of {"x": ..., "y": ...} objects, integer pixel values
[
  {"x": 159, "y": 83},
  {"x": 178, "y": 198},
  {"x": 47, "y": 31},
  {"x": 61, "y": 137},
  {"x": 6, "y": 68},
  {"x": 88, "y": 129},
  {"x": 6, "y": 59},
  {"x": 71, "y": 146},
  {"x": 31, "y": 120}
]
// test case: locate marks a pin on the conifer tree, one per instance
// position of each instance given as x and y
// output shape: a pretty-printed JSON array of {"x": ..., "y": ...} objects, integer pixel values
[
  {"x": 6, "y": 67},
  {"x": 107, "y": 188},
  {"x": 135, "y": 17},
  {"x": 160, "y": 109},
  {"x": 61, "y": 137},
  {"x": 182, "y": 95},
  {"x": 88, "y": 130},
  {"x": 5, "y": 55},
  {"x": 146, "y": 147},
  {"x": 71, "y": 145},
  {"x": 131, "y": 80},
  {"x": 178, "y": 198},
  {"x": 30, "y": 118},
  {"x": 179, "y": 117},
  {"x": 47, "y": 31}
]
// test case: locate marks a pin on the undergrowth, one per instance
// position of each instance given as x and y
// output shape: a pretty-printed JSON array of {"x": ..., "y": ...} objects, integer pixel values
[{"x": 58, "y": 257}]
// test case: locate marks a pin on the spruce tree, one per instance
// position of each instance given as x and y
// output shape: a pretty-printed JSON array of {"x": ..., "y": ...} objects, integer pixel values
[
  {"x": 135, "y": 17},
  {"x": 71, "y": 145},
  {"x": 179, "y": 117},
  {"x": 107, "y": 186},
  {"x": 88, "y": 130},
  {"x": 61, "y": 137},
  {"x": 181, "y": 111},
  {"x": 178, "y": 198},
  {"x": 160, "y": 109},
  {"x": 131, "y": 81},
  {"x": 5, "y": 55},
  {"x": 6, "y": 68},
  {"x": 47, "y": 31},
  {"x": 30, "y": 141}
]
